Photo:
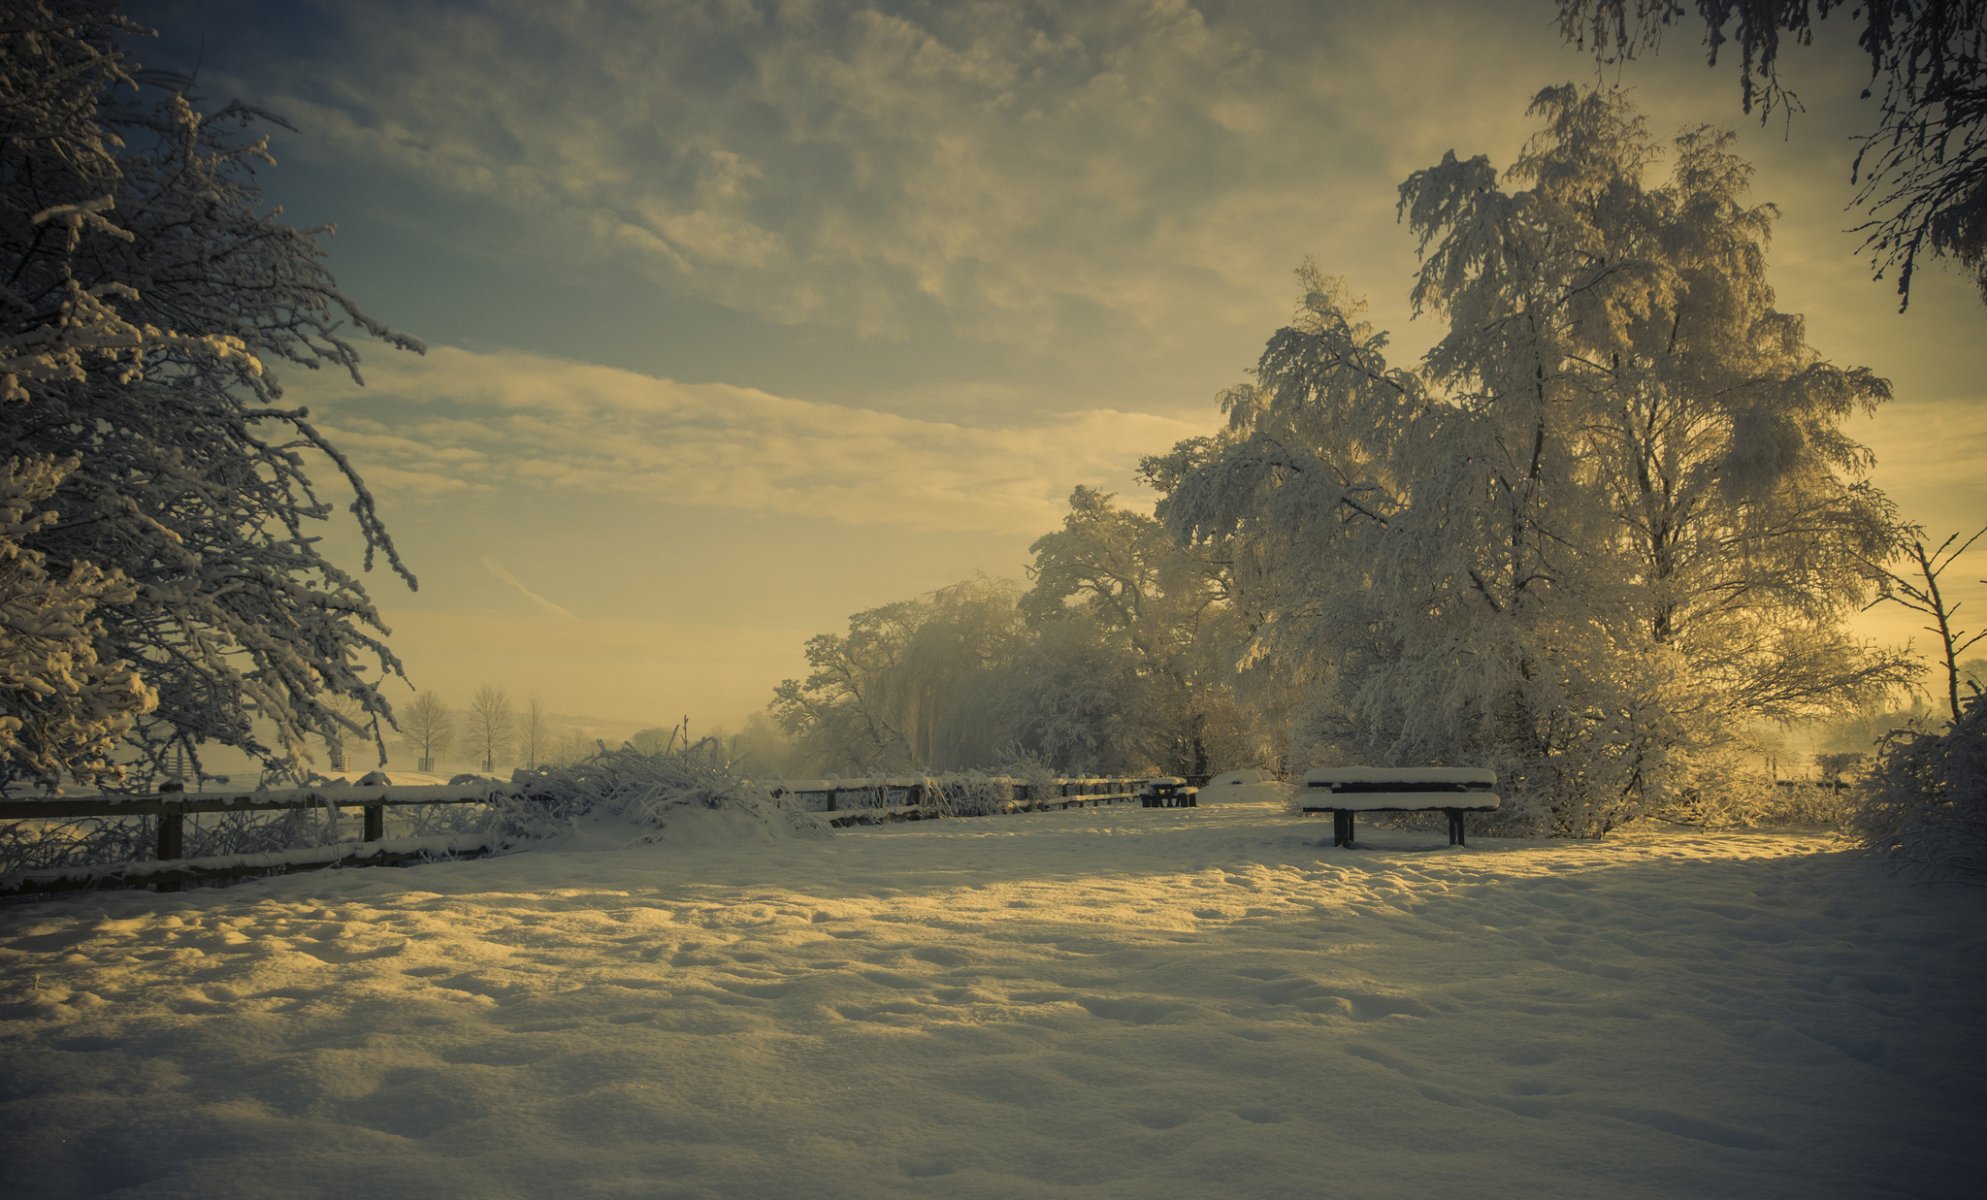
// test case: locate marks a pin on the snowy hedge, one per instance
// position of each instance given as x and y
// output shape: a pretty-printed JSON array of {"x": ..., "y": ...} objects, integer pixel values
[{"x": 1925, "y": 804}]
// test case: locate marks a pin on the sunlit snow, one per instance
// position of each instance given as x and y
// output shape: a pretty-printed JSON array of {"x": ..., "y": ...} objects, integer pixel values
[{"x": 1124, "y": 1002}]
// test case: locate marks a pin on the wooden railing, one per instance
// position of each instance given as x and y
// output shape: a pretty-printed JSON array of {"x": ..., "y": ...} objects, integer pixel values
[
  {"x": 170, "y": 869},
  {"x": 910, "y": 797},
  {"x": 848, "y": 801}
]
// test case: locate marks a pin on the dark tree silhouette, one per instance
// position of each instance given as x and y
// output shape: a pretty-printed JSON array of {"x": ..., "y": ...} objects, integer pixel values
[{"x": 1921, "y": 175}]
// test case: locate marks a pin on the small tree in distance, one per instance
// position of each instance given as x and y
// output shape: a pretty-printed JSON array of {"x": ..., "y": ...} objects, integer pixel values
[
  {"x": 1919, "y": 592},
  {"x": 428, "y": 725},
  {"x": 571, "y": 746},
  {"x": 491, "y": 724},
  {"x": 534, "y": 732},
  {"x": 350, "y": 722}
]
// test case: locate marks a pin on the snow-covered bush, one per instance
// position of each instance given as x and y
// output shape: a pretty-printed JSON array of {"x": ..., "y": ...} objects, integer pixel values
[
  {"x": 969, "y": 793},
  {"x": 659, "y": 796},
  {"x": 82, "y": 841},
  {"x": 1739, "y": 798},
  {"x": 1925, "y": 802}
]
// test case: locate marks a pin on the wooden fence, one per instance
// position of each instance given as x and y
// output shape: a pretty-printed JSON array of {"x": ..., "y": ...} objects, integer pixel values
[
  {"x": 897, "y": 798},
  {"x": 849, "y": 801},
  {"x": 170, "y": 869}
]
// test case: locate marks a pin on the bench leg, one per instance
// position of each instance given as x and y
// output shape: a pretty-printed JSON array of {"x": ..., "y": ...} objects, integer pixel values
[
  {"x": 1342, "y": 829},
  {"x": 1455, "y": 827}
]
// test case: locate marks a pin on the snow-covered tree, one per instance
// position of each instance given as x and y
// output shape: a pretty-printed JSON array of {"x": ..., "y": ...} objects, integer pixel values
[
  {"x": 911, "y": 686},
  {"x": 1611, "y": 522},
  {"x": 1679, "y": 512},
  {"x": 1077, "y": 701},
  {"x": 1158, "y": 607},
  {"x": 62, "y": 709},
  {"x": 147, "y": 298}
]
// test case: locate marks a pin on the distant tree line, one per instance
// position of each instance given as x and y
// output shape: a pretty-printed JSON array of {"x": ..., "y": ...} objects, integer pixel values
[
  {"x": 1110, "y": 663},
  {"x": 488, "y": 733}
]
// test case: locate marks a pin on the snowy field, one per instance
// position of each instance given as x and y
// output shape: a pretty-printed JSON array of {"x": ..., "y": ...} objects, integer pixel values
[{"x": 1122, "y": 1002}]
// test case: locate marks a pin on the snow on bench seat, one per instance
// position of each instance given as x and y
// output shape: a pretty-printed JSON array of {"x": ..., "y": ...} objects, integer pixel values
[{"x": 1343, "y": 791}]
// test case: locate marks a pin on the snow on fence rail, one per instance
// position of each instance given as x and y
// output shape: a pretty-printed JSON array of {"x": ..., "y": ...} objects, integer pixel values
[{"x": 848, "y": 801}]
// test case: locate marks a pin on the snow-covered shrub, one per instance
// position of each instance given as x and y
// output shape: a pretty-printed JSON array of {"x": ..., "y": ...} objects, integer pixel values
[
  {"x": 658, "y": 795},
  {"x": 98, "y": 841},
  {"x": 1750, "y": 799},
  {"x": 969, "y": 793},
  {"x": 81, "y": 841},
  {"x": 228, "y": 833},
  {"x": 1925, "y": 802},
  {"x": 1028, "y": 770}
]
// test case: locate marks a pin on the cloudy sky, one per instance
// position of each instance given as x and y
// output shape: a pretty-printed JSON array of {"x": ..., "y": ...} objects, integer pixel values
[{"x": 743, "y": 316}]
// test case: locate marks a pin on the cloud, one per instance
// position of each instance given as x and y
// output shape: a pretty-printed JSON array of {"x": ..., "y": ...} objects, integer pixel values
[
  {"x": 498, "y": 571},
  {"x": 456, "y": 421},
  {"x": 1020, "y": 173}
]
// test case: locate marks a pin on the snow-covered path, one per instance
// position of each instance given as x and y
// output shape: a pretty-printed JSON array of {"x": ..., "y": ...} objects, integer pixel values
[{"x": 1104, "y": 1003}]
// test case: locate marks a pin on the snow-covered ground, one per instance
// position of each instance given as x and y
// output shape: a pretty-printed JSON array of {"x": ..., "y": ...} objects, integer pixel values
[{"x": 1122, "y": 1002}]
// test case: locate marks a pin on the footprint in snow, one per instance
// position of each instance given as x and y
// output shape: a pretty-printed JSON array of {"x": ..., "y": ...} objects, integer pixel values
[{"x": 1134, "y": 1011}]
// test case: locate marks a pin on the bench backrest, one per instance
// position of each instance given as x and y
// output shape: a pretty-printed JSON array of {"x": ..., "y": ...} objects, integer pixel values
[{"x": 1371, "y": 780}]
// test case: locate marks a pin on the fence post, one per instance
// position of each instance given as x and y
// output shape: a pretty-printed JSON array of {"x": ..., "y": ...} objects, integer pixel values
[
  {"x": 375, "y": 822},
  {"x": 172, "y": 835},
  {"x": 172, "y": 831}
]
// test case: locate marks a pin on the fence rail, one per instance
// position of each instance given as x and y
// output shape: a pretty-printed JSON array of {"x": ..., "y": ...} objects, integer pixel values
[
  {"x": 853, "y": 801},
  {"x": 926, "y": 792}
]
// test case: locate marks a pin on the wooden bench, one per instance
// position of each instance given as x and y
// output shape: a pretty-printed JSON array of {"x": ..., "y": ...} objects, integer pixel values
[
  {"x": 1168, "y": 791},
  {"x": 1346, "y": 791}
]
